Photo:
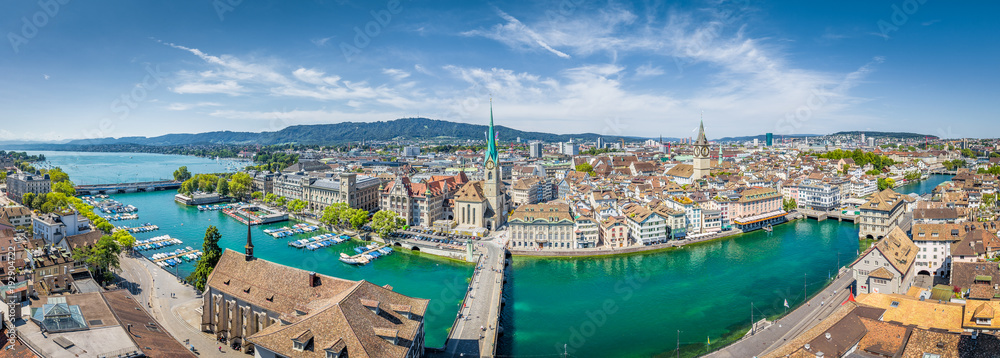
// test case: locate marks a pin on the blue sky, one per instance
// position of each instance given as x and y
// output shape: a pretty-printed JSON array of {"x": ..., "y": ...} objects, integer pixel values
[{"x": 124, "y": 68}]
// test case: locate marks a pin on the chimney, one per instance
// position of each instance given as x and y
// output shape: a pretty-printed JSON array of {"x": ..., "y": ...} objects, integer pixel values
[{"x": 312, "y": 279}]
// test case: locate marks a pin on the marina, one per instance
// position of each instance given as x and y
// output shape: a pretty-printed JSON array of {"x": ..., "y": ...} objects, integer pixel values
[
  {"x": 156, "y": 243},
  {"x": 121, "y": 217},
  {"x": 216, "y": 207},
  {"x": 366, "y": 254},
  {"x": 147, "y": 227},
  {"x": 175, "y": 257},
  {"x": 291, "y": 230},
  {"x": 319, "y": 241}
]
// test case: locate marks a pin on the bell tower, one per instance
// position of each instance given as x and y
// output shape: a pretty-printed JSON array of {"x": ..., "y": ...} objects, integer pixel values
[
  {"x": 493, "y": 186},
  {"x": 702, "y": 155}
]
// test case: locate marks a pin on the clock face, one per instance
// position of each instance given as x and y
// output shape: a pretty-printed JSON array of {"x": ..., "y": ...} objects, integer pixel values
[
  {"x": 489, "y": 165},
  {"x": 704, "y": 151}
]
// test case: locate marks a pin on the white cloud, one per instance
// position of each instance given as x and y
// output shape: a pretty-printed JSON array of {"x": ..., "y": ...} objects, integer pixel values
[
  {"x": 187, "y": 106},
  {"x": 308, "y": 116},
  {"x": 648, "y": 70},
  {"x": 515, "y": 34},
  {"x": 46, "y": 77},
  {"x": 225, "y": 87},
  {"x": 396, "y": 73},
  {"x": 422, "y": 69},
  {"x": 320, "y": 42}
]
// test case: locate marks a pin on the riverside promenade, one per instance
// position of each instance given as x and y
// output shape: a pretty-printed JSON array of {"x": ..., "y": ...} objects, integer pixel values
[{"x": 794, "y": 323}]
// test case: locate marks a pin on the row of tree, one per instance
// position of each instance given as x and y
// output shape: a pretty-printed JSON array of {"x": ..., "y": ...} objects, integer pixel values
[
  {"x": 860, "y": 157},
  {"x": 237, "y": 185}
]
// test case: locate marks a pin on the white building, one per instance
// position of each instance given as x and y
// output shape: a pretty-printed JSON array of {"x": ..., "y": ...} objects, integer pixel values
[{"x": 645, "y": 226}]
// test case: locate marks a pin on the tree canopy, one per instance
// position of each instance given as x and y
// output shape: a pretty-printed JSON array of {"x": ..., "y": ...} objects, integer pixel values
[{"x": 208, "y": 261}]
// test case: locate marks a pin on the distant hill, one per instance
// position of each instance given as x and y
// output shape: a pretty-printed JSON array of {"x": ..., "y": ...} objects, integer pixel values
[
  {"x": 325, "y": 134},
  {"x": 897, "y": 135},
  {"x": 763, "y": 137}
]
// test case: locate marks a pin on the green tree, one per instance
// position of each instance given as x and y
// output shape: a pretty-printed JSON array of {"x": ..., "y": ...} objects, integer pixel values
[
  {"x": 29, "y": 200},
  {"x": 210, "y": 258},
  {"x": 332, "y": 214},
  {"x": 104, "y": 225},
  {"x": 270, "y": 198},
  {"x": 386, "y": 222},
  {"x": 3, "y": 177},
  {"x": 296, "y": 206},
  {"x": 257, "y": 195},
  {"x": 240, "y": 185},
  {"x": 38, "y": 201},
  {"x": 65, "y": 187},
  {"x": 359, "y": 218},
  {"x": 102, "y": 257},
  {"x": 222, "y": 188},
  {"x": 584, "y": 167},
  {"x": 187, "y": 187},
  {"x": 789, "y": 204},
  {"x": 886, "y": 183},
  {"x": 281, "y": 201},
  {"x": 182, "y": 174},
  {"x": 125, "y": 240},
  {"x": 57, "y": 175}
]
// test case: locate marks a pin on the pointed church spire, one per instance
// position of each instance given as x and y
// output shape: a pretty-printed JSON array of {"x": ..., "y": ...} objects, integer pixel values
[
  {"x": 491, "y": 143},
  {"x": 249, "y": 248},
  {"x": 701, "y": 132}
]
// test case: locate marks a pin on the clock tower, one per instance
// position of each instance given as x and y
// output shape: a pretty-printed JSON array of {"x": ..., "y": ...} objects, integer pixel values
[
  {"x": 493, "y": 186},
  {"x": 702, "y": 155}
]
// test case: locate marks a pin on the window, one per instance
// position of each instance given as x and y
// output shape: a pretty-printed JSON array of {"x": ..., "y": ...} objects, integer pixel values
[{"x": 894, "y": 304}]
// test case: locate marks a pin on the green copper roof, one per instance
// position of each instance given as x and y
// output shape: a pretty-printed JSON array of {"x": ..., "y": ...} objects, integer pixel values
[{"x": 491, "y": 142}]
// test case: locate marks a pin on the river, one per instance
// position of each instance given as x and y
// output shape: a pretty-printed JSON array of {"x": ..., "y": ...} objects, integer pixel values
[{"x": 620, "y": 306}]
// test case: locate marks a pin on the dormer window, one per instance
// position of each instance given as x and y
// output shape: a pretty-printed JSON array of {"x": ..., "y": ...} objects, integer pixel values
[
  {"x": 302, "y": 341},
  {"x": 371, "y": 305}
]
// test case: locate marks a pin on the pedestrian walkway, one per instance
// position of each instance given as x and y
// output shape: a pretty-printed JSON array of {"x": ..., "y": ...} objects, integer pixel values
[
  {"x": 173, "y": 304},
  {"x": 792, "y": 324},
  {"x": 475, "y": 331}
]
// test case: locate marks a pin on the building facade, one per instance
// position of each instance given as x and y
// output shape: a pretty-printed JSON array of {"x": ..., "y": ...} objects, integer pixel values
[
  {"x": 22, "y": 183},
  {"x": 357, "y": 192},
  {"x": 421, "y": 204},
  {"x": 542, "y": 227},
  {"x": 887, "y": 266},
  {"x": 484, "y": 204},
  {"x": 880, "y": 214}
]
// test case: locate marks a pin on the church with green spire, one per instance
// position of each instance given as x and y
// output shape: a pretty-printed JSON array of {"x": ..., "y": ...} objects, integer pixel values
[{"x": 484, "y": 204}]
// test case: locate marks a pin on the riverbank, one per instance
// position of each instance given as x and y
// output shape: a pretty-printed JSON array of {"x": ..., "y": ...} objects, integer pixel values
[{"x": 670, "y": 246}]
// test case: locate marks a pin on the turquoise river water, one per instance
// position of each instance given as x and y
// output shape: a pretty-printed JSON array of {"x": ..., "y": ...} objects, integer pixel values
[{"x": 620, "y": 306}]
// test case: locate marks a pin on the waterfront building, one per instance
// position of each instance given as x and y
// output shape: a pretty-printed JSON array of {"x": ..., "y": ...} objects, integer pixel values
[
  {"x": 542, "y": 227},
  {"x": 702, "y": 156},
  {"x": 614, "y": 232},
  {"x": 55, "y": 226},
  {"x": 263, "y": 181},
  {"x": 691, "y": 210},
  {"x": 358, "y": 192},
  {"x": 52, "y": 268},
  {"x": 289, "y": 185},
  {"x": 881, "y": 213},
  {"x": 818, "y": 195},
  {"x": 645, "y": 226},
  {"x": 757, "y": 208},
  {"x": 280, "y": 311},
  {"x": 21, "y": 183},
  {"x": 887, "y": 266},
  {"x": 421, "y": 204},
  {"x": 587, "y": 232},
  {"x": 484, "y": 204}
]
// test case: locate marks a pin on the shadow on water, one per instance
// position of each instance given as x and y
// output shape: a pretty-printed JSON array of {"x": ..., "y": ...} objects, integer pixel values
[{"x": 505, "y": 343}]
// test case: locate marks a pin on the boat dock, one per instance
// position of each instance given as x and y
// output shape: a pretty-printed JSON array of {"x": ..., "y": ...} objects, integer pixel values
[
  {"x": 366, "y": 254},
  {"x": 156, "y": 243},
  {"x": 144, "y": 228},
  {"x": 173, "y": 255}
]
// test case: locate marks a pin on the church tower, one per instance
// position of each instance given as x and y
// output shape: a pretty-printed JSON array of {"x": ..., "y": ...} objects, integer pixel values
[
  {"x": 493, "y": 187},
  {"x": 702, "y": 155}
]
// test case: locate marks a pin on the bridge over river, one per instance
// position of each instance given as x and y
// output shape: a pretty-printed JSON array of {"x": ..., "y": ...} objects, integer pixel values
[{"x": 127, "y": 187}]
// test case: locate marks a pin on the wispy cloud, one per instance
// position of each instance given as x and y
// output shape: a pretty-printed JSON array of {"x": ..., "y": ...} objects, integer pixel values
[
  {"x": 395, "y": 73},
  {"x": 648, "y": 70},
  {"x": 187, "y": 106},
  {"x": 515, "y": 34},
  {"x": 931, "y": 22},
  {"x": 320, "y": 42},
  {"x": 224, "y": 87}
]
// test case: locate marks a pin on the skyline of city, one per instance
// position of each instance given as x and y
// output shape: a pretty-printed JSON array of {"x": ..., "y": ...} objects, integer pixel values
[{"x": 560, "y": 67}]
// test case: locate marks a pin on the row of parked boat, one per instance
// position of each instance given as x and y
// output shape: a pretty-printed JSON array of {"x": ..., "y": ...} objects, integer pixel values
[
  {"x": 156, "y": 243},
  {"x": 120, "y": 217},
  {"x": 319, "y": 241},
  {"x": 292, "y": 230},
  {"x": 112, "y": 206},
  {"x": 165, "y": 259},
  {"x": 366, "y": 254},
  {"x": 147, "y": 227}
]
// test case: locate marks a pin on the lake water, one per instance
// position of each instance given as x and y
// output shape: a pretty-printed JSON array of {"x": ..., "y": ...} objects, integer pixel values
[
  {"x": 622, "y": 306},
  {"x": 105, "y": 168}
]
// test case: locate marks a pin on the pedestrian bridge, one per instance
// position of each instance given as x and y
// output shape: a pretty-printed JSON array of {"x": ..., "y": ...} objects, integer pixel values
[{"x": 127, "y": 187}]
